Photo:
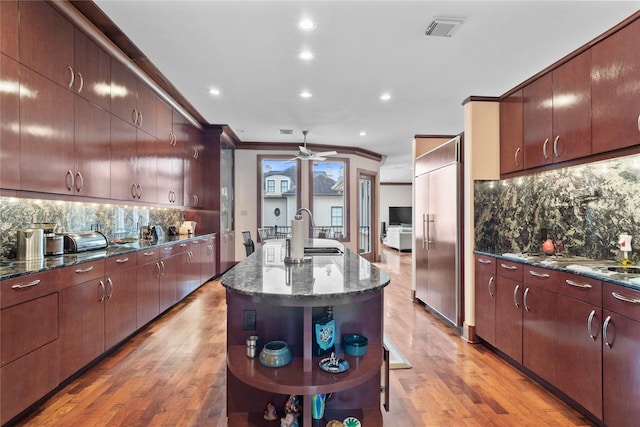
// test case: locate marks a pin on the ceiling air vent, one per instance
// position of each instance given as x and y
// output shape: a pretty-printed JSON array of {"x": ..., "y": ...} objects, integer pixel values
[
  {"x": 286, "y": 131},
  {"x": 443, "y": 27}
]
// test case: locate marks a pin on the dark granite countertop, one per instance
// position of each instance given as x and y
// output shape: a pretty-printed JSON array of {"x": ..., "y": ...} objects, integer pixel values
[
  {"x": 265, "y": 274},
  {"x": 592, "y": 268},
  {"x": 14, "y": 268}
]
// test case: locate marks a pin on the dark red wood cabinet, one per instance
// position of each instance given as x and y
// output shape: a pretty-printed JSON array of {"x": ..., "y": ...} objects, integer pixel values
[
  {"x": 485, "y": 291},
  {"x": 120, "y": 309},
  {"x": 92, "y": 71},
  {"x": 537, "y": 122},
  {"x": 9, "y": 119},
  {"x": 9, "y": 28},
  {"x": 511, "y": 133},
  {"x": 615, "y": 78},
  {"x": 123, "y": 164}
]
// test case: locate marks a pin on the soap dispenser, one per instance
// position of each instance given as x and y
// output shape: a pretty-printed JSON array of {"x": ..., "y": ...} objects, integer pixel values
[{"x": 625, "y": 246}]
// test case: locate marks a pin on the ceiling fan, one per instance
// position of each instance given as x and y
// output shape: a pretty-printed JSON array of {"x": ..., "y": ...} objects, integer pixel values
[{"x": 306, "y": 154}]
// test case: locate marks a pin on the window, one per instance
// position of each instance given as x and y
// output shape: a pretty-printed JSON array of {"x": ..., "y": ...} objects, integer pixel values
[
  {"x": 337, "y": 216},
  {"x": 278, "y": 198},
  {"x": 329, "y": 195}
]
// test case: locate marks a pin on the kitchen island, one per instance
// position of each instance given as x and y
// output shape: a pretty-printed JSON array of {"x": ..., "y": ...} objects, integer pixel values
[{"x": 278, "y": 301}]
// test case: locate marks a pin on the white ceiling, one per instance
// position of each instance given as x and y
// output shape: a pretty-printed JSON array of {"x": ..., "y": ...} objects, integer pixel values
[{"x": 248, "y": 50}]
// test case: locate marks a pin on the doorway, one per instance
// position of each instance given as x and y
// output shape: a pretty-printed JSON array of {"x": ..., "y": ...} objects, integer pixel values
[{"x": 366, "y": 215}]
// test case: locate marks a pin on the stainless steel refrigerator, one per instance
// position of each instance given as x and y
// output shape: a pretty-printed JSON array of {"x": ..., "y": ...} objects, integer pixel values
[{"x": 438, "y": 230}]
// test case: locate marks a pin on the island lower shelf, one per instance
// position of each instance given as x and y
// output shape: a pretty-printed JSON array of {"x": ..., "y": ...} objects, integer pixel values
[{"x": 292, "y": 379}]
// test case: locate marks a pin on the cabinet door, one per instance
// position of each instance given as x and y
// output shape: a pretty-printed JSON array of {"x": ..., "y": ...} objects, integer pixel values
[
  {"x": 615, "y": 78},
  {"x": 193, "y": 172},
  {"x": 123, "y": 160},
  {"x": 46, "y": 134},
  {"x": 92, "y": 150},
  {"x": 53, "y": 59},
  {"x": 580, "y": 353},
  {"x": 537, "y": 120},
  {"x": 120, "y": 307},
  {"x": 485, "y": 290},
  {"x": 9, "y": 28},
  {"x": 620, "y": 367},
  {"x": 9, "y": 122},
  {"x": 124, "y": 93},
  {"x": 147, "y": 109},
  {"x": 209, "y": 269},
  {"x": 509, "y": 317},
  {"x": 420, "y": 224},
  {"x": 168, "y": 281},
  {"x": 92, "y": 71},
  {"x": 539, "y": 333},
  {"x": 185, "y": 274},
  {"x": 511, "y": 133},
  {"x": 164, "y": 125},
  {"x": 81, "y": 325},
  {"x": 147, "y": 293},
  {"x": 572, "y": 109},
  {"x": 146, "y": 167}
]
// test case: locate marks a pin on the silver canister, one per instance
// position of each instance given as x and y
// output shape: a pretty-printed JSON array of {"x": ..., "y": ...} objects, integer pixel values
[
  {"x": 252, "y": 341},
  {"x": 30, "y": 243}
]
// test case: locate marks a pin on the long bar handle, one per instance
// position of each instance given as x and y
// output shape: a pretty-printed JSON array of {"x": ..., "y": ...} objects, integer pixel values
[
  {"x": 425, "y": 228},
  {"x": 103, "y": 291},
  {"x": 516, "y": 156},
  {"x": 508, "y": 267},
  {"x": 544, "y": 148},
  {"x": 539, "y": 275},
  {"x": 592, "y": 315},
  {"x": 491, "y": 280},
  {"x": 578, "y": 285},
  {"x": 555, "y": 146},
  {"x": 605, "y": 327},
  {"x": 625, "y": 299},
  {"x": 515, "y": 296},
  {"x": 110, "y": 288},
  {"x": 25, "y": 285},
  {"x": 84, "y": 270},
  {"x": 524, "y": 299},
  {"x": 484, "y": 261},
  {"x": 122, "y": 260}
]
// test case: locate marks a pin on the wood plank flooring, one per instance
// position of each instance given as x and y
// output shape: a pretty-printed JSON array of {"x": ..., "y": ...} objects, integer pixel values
[{"x": 173, "y": 373}]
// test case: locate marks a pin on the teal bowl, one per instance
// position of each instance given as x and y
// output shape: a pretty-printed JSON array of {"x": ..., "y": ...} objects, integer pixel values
[
  {"x": 355, "y": 345},
  {"x": 275, "y": 354}
]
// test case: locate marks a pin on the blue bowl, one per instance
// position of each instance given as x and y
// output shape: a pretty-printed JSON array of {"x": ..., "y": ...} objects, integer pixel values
[
  {"x": 355, "y": 345},
  {"x": 275, "y": 354}
]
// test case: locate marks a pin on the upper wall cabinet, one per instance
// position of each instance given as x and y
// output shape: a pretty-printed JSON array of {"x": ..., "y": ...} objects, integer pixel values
[
  {"x": 615, "y": 79},
  {"x": 557, "y": 114},
  {"x": 9, "y": 123},
  {"x": 9, "y": 28},
  {"x": 511, "y": 148},
  {"x": 92, "y": 71}
]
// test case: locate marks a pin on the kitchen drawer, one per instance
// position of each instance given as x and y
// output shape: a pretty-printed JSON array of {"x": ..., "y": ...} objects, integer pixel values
[
  {"x": 28, "y": 379},
  {"x": 621, "y": 300},
  {"x": 541, "y": 277},
  {"x": 581, "y": 288},
  {"x": 25, "y": 288},
  {"x": 485, "y": 264},
  {"x": 145, "y": 256},
  {"x": 509, "y": 269},
  {"x": 28, "y": 326},
  {"x": 121, "y": 263},
  {"x": 81, "y": 273},
  {"x": 173, "y": 249}
]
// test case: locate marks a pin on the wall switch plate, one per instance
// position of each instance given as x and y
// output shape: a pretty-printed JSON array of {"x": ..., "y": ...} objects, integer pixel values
[{"x": 249, "y": 320}]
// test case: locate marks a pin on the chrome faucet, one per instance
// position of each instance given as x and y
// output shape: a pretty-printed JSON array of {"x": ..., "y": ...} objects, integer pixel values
[{"x": 308, "y": 212}]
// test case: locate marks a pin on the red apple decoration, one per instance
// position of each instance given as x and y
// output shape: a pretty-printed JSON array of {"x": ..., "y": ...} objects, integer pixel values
[{"x": 547, "y": 247}]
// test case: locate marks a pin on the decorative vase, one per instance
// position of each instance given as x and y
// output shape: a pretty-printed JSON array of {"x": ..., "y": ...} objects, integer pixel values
[{"x": 317, "y": 406}]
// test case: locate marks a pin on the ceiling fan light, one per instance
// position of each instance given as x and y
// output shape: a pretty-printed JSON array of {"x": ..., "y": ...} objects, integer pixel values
[
  {"x": 385, "y": 97},
  {"x": 306, "y": 25},
  {"x": 305, "y": 94},
  {"x": 306, "y": 55}
]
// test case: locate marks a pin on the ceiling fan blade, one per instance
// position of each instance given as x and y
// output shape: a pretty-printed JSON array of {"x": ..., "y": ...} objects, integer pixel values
[
  {"x": 326, "y": 153},
  {"x": 304, "y": 150}
]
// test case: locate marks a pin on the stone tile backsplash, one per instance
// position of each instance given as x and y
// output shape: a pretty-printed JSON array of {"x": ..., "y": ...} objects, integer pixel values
[
  {"x": 585, "y": 207},
  {"x": 113, "y": 220}
]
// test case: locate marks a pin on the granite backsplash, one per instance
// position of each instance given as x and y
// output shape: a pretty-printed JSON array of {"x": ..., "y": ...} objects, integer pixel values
[
  {"x": 113, "y": 220},
  {"x": 585, "y": 207}
]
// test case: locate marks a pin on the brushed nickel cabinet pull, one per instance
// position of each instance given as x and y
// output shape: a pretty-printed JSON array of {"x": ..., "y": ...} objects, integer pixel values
[
  {"x": 169, "y": 248},
  {"x": 183, "y": 245},
  {"x": 110, "y": 288},
  {"x": 605, "y": 328},
  {"x": 578, "y": 285},
  {"x": 79, "y": 182},
  {"x": 25, "y": 285},
  {"x": 84, "y": 270},
  {"x": 140, "y": 118},
  {"x": 592, "y": 315},
  {"x": 148, "y": 253},
  {"x": 508, "y": 267},
  {"x": 123, "y": 260},
  {"x": 625, "y": 299},
  {"x": 133, "y": 190},
  {"x": 72, "y": 76},
  {"x": 139, "y": 191},
  {"x": 134, "y": 116},
  {"x": 81, "y": 82},
  {"x": 516, "y": 156},
  {"x": 158, "y": 267},
  {"x": 515, "y": 296},
  {"x": 162, "y": 265},
  {"x": 103, "y": 291},
  {"x": 544, "y": 148},
  {"x": 538, "y": 275},
  {"x": 69, "y": 180},
  {"x": 489, "y": 286},
  {"x": 524, "y": 299},
  {"x": 555, "y": 146}
]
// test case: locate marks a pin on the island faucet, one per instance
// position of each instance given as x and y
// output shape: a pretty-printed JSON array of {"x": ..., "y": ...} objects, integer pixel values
[{"x": 308, "y": 212}]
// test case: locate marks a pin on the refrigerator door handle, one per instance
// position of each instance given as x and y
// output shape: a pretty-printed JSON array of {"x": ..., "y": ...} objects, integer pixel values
[
  {"x": 429, "y": 241},
  {"x": 425, "y": 231}
]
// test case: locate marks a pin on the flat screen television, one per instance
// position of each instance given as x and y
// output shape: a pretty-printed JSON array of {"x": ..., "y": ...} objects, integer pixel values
[{"x": 400, "y": 215}]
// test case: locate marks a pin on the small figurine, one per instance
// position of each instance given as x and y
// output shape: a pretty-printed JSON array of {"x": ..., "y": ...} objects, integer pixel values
[
  {"x": 270, "y": 413},
  {"x": 334, "y": 362},
  {"x": 292, "y": 406},
  {"x": 289, "y": 420}
]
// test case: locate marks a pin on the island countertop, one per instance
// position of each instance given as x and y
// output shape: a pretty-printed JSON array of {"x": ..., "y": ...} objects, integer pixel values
[{"x": 265, "y": 274}]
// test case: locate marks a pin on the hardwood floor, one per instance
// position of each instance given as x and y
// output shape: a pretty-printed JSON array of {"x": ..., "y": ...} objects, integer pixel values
[{"x": 173, "y": 373}]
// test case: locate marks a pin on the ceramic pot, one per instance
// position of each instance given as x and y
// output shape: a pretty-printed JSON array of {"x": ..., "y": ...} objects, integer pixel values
[{"x": 275, "y": 354}]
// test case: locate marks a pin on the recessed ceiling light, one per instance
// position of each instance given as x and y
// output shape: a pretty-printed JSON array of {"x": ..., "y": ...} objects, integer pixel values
[
  {"x": 214, "y": 91},
  {"x": 305, "y": 94},
  {"x": 306, "y": 55},
  {"x": 385, "y": 97},
  {"x": 306, "y": 24},
  {"x": 363, "y": 133}
]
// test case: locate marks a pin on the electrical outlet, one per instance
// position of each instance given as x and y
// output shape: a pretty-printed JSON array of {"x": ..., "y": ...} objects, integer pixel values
[{"x": 249, "y": 320}]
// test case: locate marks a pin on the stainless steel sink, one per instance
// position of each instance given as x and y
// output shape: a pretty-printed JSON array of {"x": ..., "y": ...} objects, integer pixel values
[
  {"x": 625, "y": 269},
  {"x": 317, "y": 250}
]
